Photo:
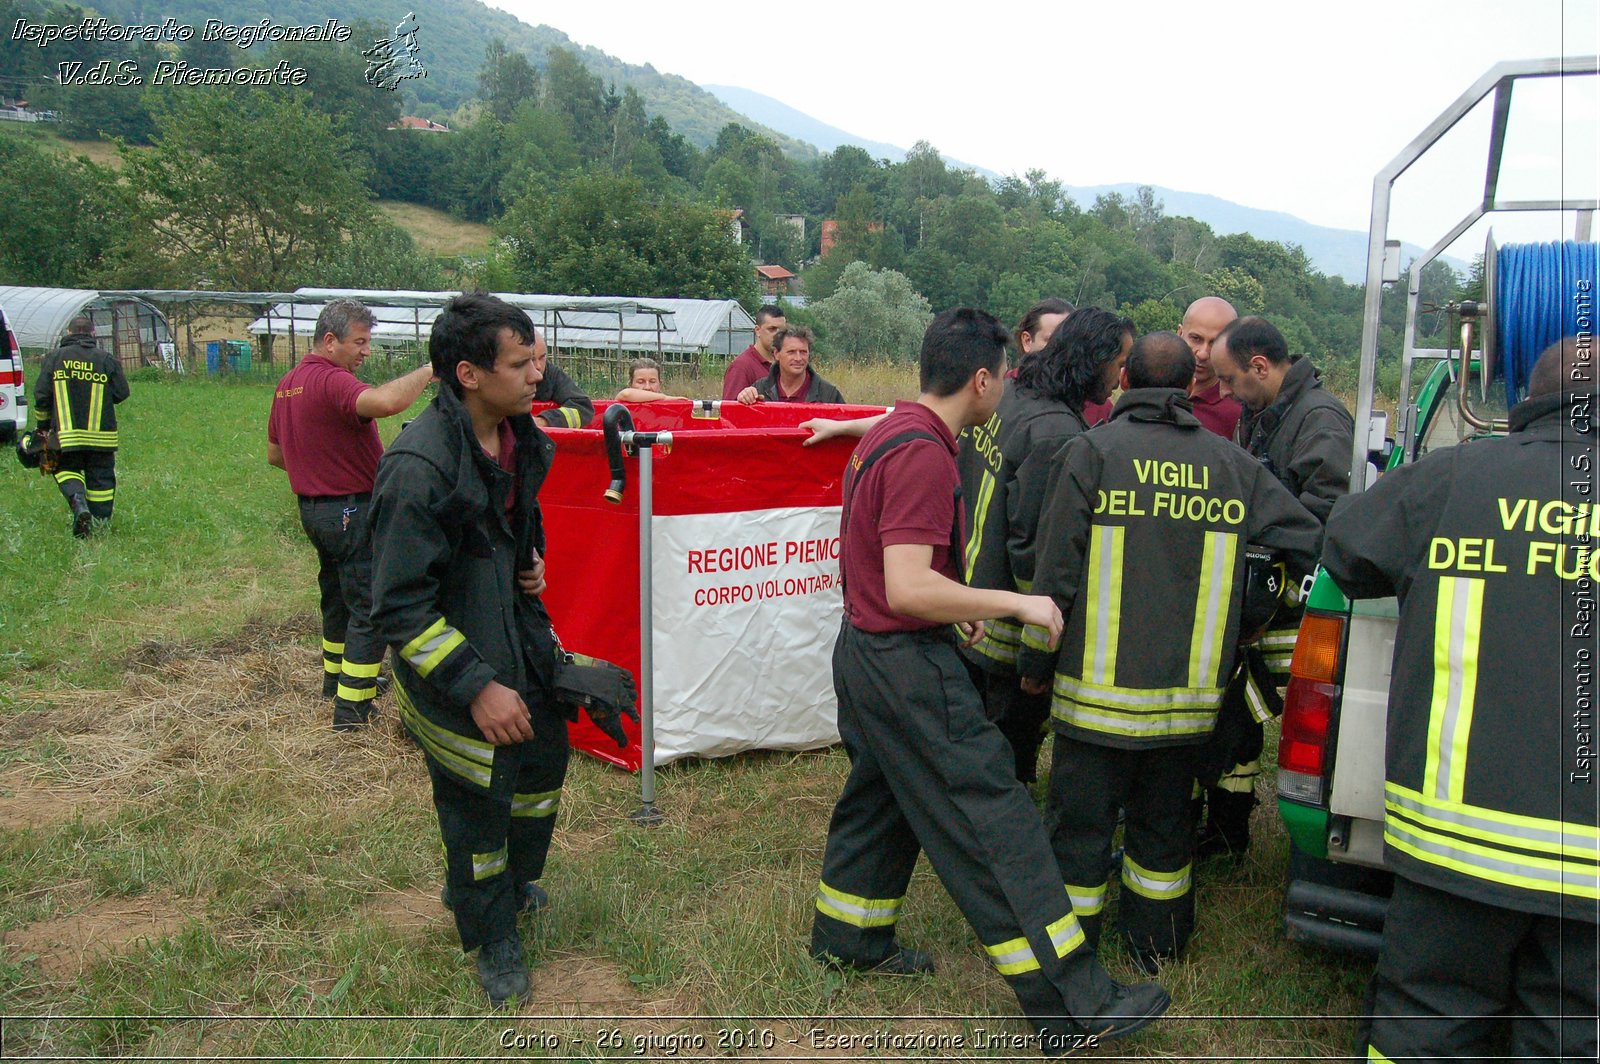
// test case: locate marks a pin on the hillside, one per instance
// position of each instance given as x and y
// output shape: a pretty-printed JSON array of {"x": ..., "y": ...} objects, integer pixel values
[
  {"x": 451, "y": 36},
  {"x": 1335, "y": 252}
]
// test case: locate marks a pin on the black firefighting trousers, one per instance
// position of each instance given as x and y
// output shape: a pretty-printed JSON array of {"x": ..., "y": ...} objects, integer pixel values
[
  {"x": 497, "y": 839},
  {"x": 90, "y": 476},
  {"x": 929, "y": 772},
  {"x": 1152, "y": 787},
  {"x": 1461, "y": 980},
  {"x": 351, "y": 651}
]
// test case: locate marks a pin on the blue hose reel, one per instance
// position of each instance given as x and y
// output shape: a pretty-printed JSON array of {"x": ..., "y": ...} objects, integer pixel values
[{"x": 1537, "y": 294}]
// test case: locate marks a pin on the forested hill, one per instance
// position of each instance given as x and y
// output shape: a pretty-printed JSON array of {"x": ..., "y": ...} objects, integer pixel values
[{"x": 452, "y": 35}]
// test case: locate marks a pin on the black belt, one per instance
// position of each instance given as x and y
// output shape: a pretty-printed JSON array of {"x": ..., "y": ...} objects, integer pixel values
[{"x": 355, "y": 497}]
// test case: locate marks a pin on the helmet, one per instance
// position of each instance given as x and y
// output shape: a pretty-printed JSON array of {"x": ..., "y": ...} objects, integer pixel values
[
  {"x": 1265, "y": 578},
  {"x": 30, "y": 449}
]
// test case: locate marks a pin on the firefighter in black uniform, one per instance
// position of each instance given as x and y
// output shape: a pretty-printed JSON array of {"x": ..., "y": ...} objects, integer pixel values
[
  {"x": 927, "y": 770},
  {"x": 457, "y": 570},
  {"x": 1041, "y": 410},
  {"x": 1143, "y": 545},
  {"x": 76, "y": 395},
  {"x": 1490, "y": 792},
  {"x": 1304, "y": 436},
  {"x": 573, "y": 409}
]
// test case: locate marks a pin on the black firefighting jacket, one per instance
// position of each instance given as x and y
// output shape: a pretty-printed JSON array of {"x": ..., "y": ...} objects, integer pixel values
[
  {"x": 1013, "y": 453},
  {"x": 77, "y": 391},
  {"x": 445, "y": 558},
  {"x": 1491, "y": 790},
  {"x": 1142, "y": 546},
  {"x": 573, "y": 408},
  {"x": 1305, "y": 438}
]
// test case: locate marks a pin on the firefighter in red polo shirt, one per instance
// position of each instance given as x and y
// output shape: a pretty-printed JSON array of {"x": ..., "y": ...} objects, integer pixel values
[{"x": 323, "y": 432}]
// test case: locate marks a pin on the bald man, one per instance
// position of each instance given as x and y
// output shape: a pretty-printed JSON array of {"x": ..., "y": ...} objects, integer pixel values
[{"x": 1202, "y": 322}]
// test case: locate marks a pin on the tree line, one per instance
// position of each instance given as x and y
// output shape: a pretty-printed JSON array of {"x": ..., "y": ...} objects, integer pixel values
[{"x": 589, "y": 194}]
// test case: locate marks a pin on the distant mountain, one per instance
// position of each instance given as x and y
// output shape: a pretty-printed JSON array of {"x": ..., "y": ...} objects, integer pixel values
[
  {"x": 778, "y": 115},
  {"x": 1335, "y": 252}
]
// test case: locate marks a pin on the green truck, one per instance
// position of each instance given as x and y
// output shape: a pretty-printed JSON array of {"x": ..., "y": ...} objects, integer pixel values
[{"x": 1331, "y": 747}]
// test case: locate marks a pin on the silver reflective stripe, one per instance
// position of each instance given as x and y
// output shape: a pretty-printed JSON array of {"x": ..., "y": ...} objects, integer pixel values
[
  {"x": 1104, "y": 642},
  {"x": 419, "y": 655},
  {"x": 1216, "y": 587},
  {"x": 1467, "y": 860},
  {"x": 1566, "y": 843},
  {"x": 1070, "y": 687},
  {"x": 1160, "y": 723},
  {"x": 1087, "y": 900},
  {"x": 485, "y": 865},
  {"x": 1150, "y": 886}
]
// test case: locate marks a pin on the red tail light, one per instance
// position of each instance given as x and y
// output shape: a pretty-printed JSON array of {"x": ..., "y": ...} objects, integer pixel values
[{"x": 1308, "y": 708}]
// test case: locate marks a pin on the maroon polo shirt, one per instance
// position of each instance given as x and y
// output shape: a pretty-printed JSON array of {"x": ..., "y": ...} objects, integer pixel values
[
  {"x": 907, "y": 497},
  {"x": 328, "y": 449},
  {"x": 1217, "y": 412},
  {"x": 743, "y": 372},
  {"x": 1096, "y": 413}
]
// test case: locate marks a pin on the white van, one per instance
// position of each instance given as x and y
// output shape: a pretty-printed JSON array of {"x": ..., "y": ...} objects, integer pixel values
[{"x": 13, "y": 389}]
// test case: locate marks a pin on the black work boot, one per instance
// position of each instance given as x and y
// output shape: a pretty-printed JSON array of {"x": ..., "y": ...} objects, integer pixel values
[
  {"x": 1227, "y": 830},
  {"x": 902, "y": 960},
  {"x": 349, "y": 717},
  {"x": 1131, "y": 1008},
  {"x": 502, "y": 971},
  {"x": 82, "y": 519}
]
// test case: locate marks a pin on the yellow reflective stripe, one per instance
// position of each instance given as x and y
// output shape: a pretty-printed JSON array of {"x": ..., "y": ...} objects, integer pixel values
[
  {"x": 1497, "y": 866},
  {"x": 1211, "y": 607},
  {"x": 1087, "y": 900},
  {"x": 1280, "y": 639},
  {"x": 331, "y": 666},
  {"x": 97, "y": 399},
  {"x": 470, "y": 759},
  {"x": 855, "y": 910},
  {"x": 63, "y": 477},
  {"x": 63, "y": 407},
  {"x": 432, "y": 646},
  {"x": 1147, "y": 724},
  {"x": 542, "y": 803},
  {"x": 103, "y": 495},
  {"x": 485, "y": 865},
  {"x": 86, "y": 438},
  {"x": 1457, "y": 627},
  {"x": 980, "y": 513},
  {"x": 1561, "y": 837},
  {"x": 1013, "y": 957},
  {"x": 1001, "y": 638},
  {"x": 1103, "y": 602},
  {"x": 1157, "y": 886},
  {"x": 332, "y": 648},
  {"x": 361, "y": 671},
  {"x": 1373, "y": 1054},
  {"x": 357, "y": 694},
  {"x": 1078, "y": 690},
  {"x": 1066, "y": 934},
  {"x": 1255, "y": 700}
]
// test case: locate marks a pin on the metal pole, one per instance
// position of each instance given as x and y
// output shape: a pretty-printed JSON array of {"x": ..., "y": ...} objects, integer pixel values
[{"x": 647, "y": 813}]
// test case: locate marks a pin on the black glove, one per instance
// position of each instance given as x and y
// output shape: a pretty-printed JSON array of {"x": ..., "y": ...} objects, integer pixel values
[{"x": 605, "y": 690}]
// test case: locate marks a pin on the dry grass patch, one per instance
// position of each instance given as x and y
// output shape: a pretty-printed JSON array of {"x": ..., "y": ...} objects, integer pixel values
[
  {"x": 65, "y": 947},
  {"x": 436, "y": 232}
]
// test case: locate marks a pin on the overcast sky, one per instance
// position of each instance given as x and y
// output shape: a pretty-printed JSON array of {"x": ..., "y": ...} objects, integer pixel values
[{"x": 1277, "y": 105}]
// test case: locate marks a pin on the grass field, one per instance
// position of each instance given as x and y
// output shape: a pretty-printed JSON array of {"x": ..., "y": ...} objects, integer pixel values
[{"x": 192, "y": 866}]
